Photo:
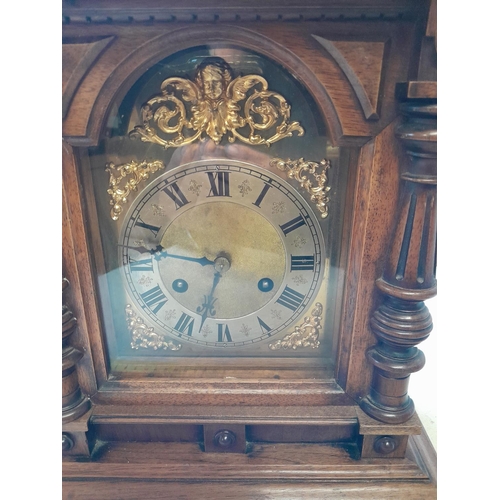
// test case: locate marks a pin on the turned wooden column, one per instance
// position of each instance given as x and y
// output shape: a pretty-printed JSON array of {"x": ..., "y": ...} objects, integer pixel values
[
  {"x": 402, "y": 321},
  {"x": 74, "y": 403}
]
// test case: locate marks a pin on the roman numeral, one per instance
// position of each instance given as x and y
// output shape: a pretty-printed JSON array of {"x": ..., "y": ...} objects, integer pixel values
[
  {"x": 223, "y": 334},
  {"x": 184, "y": 324},
  {"x": 153, "y": 229},
  {"x": 263, "y": 326},
  {"x": 290, "y": 298},
  {"x": 263, "y": 193},
  {"x": 141, "y": 265},
  {"x": 293, "y": 224},
  {"x": 302, "y": 262},
  {"x": 154, "y": 296},
  {"x": 176, "y": 195},
  {"x": 219, "y": 183}
]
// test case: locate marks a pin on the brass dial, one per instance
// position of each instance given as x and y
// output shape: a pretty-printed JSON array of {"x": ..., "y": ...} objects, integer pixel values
[
  {"x": 221, "y": 254},
  {"x": 244, "y": 238}
]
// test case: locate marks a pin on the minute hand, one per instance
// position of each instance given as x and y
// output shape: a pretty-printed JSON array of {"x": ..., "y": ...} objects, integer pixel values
[{"x": 207, "y": 307}]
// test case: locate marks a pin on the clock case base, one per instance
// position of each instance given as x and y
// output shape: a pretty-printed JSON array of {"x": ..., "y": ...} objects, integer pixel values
[
  {"x": 130, "y": 470},
  {"x": 240, "y": 429}
]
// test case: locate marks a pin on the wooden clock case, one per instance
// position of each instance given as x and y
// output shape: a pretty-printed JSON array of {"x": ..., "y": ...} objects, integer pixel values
[{"x": 348, "y": 428}]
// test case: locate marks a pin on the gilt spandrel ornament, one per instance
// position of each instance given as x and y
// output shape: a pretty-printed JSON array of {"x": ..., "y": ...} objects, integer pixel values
[
  {"x": 216, "y": 104},
  {"x": 312, "y": 177},
  {"x": 144, "y": 336},
  {"x": 123, "y": 179},
  {"x": 304, "y": 335}
]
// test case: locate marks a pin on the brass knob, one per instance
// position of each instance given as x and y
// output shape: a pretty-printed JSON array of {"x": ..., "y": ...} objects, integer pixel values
[
  {"x": 385, "y": 445},
  {"x": 224, "y": 439},
  {"x": 67, "y": 442}
]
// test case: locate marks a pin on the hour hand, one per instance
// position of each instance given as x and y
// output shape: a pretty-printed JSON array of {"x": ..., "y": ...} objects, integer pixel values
[
  {"x": 163, "y": 254},
  {"x": 160, "y": 253},
  {"x": 143, "y": 249}
]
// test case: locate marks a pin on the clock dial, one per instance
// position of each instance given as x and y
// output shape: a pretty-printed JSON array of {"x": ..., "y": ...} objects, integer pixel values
[{"x": 221, "y": 254}]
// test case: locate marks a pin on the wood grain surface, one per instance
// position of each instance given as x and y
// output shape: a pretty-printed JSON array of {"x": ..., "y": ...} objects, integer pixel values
[
  {"x": 150, "y": 470},
  {"x": 375, "y": 201}
]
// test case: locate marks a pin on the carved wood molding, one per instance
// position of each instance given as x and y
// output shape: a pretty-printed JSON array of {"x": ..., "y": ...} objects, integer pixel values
[{"x": 149, "y": 11}]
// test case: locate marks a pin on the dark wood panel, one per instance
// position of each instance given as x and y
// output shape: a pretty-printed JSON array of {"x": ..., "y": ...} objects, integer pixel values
[
  {"x": 148, "y": 432},
  {"x": 302, "y": 434}
]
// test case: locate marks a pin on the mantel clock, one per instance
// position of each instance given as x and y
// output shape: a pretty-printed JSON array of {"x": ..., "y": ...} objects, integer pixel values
[{"x": 249, "y": 238}]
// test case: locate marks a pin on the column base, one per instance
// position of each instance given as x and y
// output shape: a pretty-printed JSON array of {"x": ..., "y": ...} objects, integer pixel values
[{"x": 386, "y": 414}]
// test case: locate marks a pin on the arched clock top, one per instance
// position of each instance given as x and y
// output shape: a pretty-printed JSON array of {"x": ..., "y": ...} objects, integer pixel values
[
  {"x": 350, "y": 110},
  {"x": 110, "y": 79}
]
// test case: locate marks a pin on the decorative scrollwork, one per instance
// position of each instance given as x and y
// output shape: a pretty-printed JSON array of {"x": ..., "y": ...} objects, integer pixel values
[
  {"x": 304, "y": 335},
  {"x": 213, "y": 105},
  {"x": 301, "y": 170},
  {"x": 145, "y": 336},
  {"x": 123, "y": 179}
]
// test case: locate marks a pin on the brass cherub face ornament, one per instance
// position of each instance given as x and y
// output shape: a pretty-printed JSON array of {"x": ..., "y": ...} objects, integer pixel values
[
  {"x": 215, "y": 104},
  {"x": 215, "y": 113},
  {"x": 213, "y": 78}
]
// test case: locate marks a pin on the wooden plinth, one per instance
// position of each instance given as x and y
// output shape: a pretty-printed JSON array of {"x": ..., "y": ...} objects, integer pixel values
[{"x": 129, "y": 471}]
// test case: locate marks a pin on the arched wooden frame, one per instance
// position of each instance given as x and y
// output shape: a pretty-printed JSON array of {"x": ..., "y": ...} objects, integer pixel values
[
  {"x": 138, "y": 61},
  {"x": 367, "y": 226}
]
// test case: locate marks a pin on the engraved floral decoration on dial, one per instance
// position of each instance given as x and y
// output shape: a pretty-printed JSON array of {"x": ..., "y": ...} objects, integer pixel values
[{"x": 217, "y": 268}]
